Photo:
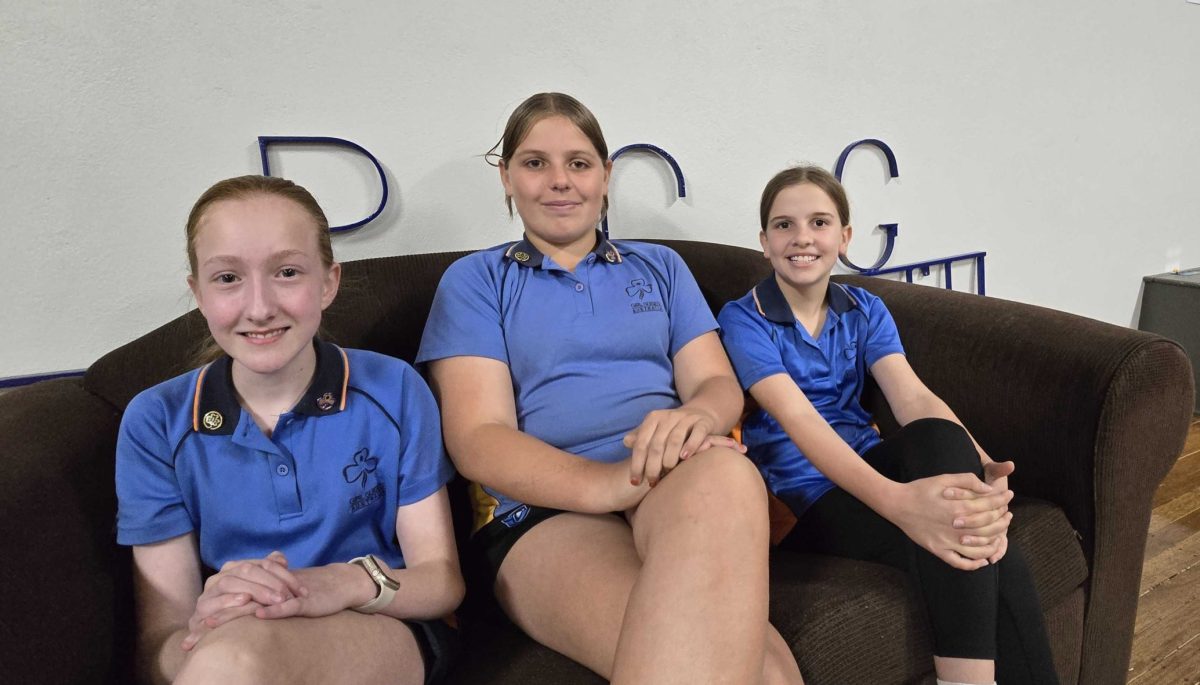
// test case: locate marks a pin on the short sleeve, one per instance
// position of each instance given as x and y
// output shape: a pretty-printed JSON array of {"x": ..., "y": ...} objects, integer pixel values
[
  {"x": 688, "y": 311},
  {"x": 150, "y": 504},
  {"x": 882, "y": 337},
  {"x": 750, "y": 345},
  {"x": 424, "y": 467},
  {"x": 465, "y": 320}
]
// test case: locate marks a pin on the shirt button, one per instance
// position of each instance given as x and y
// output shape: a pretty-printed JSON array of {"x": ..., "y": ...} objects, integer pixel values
[
  {"x": 282, "y": 469},
  {"x": 578, "y": 287}
]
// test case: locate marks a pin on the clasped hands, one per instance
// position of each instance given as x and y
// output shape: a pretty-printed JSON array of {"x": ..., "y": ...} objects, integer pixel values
[
  {"x": 267, "y": 589},
  {"x": 667, "y": 437},
  {"x": 957, "y": 517}
]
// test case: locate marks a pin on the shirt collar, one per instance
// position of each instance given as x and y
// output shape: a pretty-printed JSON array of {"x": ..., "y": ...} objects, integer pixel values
[
  {"x": 525, "y": 254},
  {"x": 771, "y": 303},
  {"x": 215, "y": 408}
]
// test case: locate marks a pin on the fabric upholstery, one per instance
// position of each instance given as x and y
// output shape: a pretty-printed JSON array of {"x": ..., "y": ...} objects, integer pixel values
[{"x": 1093, "y": 415}]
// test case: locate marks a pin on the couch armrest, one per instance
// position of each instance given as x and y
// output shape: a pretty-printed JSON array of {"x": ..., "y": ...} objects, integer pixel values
[
  {"x": 64, "y": 584},
  {"x": 1094, "y": 415}
]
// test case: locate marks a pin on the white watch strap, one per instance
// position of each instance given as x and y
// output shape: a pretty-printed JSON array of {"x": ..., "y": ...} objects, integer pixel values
[{"x": 387, "y": 590}]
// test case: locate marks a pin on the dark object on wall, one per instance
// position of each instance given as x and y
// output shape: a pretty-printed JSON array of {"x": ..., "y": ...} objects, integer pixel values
[{"x": 1171, "y": 308}]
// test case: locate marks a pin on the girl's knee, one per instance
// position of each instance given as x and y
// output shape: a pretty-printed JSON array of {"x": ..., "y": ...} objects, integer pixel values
[
  {"x": 237, "y": 652},
  {"x": 715, "y": 490},
  {"x": 730, "y": 477},
  {"x": 942, "y": 446}
]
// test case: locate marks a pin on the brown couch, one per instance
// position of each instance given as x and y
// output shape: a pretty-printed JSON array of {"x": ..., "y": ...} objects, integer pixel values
[{"x": 1093, "y": 414}]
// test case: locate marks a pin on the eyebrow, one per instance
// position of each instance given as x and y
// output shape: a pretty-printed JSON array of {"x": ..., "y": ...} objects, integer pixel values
[
  {"x": 789, "y": 217},
  {"x": 569, "y": 153},
  {"x": 235, "y": 260}
]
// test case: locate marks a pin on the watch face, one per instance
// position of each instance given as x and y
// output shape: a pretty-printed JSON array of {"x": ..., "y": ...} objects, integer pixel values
[{"x": 373, "y": 567}]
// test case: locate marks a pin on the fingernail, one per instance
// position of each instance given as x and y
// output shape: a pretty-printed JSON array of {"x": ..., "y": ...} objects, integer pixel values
[
  {"x": 635, "y": 482},
  {"x": 683, "y": 456},
  {"x": 653, "y": 482},
  {"x": 958, "y": 523}
]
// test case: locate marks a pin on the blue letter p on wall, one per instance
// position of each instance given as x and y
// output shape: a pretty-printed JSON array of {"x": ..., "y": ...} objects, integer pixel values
[{"x": 266, "y": 141}]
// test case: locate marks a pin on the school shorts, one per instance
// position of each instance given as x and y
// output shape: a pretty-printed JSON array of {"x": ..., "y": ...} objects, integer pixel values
[
  {"x": 439, "y": 645},
  {"x": 488, "y": 547}
]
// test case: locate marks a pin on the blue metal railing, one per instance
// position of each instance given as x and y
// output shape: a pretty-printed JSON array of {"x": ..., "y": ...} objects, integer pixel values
[{"x": 892, "y": 230}]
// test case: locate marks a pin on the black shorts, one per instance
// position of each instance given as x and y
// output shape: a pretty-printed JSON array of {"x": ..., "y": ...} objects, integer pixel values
[
  {"x": 489, "y": 545},
  {"x": 439, "y": 645}
]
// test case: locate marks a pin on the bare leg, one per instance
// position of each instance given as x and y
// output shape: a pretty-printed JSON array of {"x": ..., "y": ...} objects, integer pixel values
[
  {"x": 779, "y": 664},
  {"x": 566, "y": 583},
  {"x": 698, "y": 612},
  {"x": 965, "y": 670},
  {"x": 682, "y": 597},
  {"x": 343, "y": 647}
]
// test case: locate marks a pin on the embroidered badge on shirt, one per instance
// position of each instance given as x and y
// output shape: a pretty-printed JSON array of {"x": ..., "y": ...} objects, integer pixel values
[
  {"x": 521, "y": 256},
  {"x": 325, "y": 402}
]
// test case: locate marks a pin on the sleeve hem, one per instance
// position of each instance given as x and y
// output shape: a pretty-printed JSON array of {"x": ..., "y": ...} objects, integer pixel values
[
  {"x": 419, "y": 490},
  {"x": 148, "y": 535}
]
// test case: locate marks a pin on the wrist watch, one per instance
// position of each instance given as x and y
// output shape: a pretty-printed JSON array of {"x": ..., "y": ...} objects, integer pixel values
[{"x": 387, "y": 586}]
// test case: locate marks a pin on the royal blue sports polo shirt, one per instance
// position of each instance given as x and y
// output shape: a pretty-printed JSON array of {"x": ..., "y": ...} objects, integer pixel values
[
  {"x": 589, "y": 351},
  {"x": 764, "y": 338},
  {"x": 363, "y": 440}
]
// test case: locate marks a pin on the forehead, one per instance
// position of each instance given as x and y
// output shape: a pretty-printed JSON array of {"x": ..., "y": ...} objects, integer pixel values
[
  {"x": 556, "y": 133},
  {"x": 240, "y": 224},
  {"x": 803, "y": 199}
]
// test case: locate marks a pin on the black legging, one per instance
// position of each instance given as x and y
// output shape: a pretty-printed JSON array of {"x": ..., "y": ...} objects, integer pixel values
[{"x": 972, "y": 612}]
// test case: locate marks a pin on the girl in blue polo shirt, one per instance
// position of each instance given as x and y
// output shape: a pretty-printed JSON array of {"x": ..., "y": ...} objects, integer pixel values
[
  {"x": 580, "y": 377},
  {"x": 310, "y": 478},
  {"x": 927, "y": 500}
]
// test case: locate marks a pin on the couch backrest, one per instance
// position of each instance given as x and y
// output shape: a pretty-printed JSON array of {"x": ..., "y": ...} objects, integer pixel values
[{"x": 382, "y": 306}]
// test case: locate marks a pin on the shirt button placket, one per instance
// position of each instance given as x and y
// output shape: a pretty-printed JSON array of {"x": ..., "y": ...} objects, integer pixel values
[
  {"x": 285, "y": 485},
  {"x": 583, "y": 303}
]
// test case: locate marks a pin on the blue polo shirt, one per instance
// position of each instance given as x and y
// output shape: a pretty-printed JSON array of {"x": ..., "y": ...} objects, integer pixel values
[
  {"x": 590, "y": 351},
  {"x": 764, "y": 338},
  {"x": 363, "y": 440}
]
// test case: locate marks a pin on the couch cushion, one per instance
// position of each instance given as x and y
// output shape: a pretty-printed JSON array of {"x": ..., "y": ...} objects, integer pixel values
[{"x": 851, "y": 621}]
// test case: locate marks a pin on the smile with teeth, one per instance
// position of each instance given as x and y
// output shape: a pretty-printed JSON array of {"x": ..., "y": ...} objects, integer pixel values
[
  {"x": 264, "y": 336},
  {"x": 802, "y": 259}
]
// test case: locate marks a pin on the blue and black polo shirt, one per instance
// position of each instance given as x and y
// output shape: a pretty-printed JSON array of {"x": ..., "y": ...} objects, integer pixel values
[
  {"x": 763, "y": 338},
  {"x": 363, "y": 440}
]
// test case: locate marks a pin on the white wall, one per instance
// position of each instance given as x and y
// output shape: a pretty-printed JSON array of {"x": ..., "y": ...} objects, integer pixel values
[{"x": 1062, "y": 137}]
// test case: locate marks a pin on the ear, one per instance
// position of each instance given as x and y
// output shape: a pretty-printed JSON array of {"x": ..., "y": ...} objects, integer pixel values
[
  {"x": 329, "y": 289},
  {"x": 762, "y": 240},
  {"x": 504, "y": 179},
  {"x": 847, "y": 232},
  {"x": 607, "y": 174}
]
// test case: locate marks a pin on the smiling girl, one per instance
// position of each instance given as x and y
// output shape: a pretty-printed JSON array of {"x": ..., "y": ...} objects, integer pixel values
[
  {"x": 583, "y": 386},
  {"x": 927, "y": 500},
  {"x": 307, "y": 479}
]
